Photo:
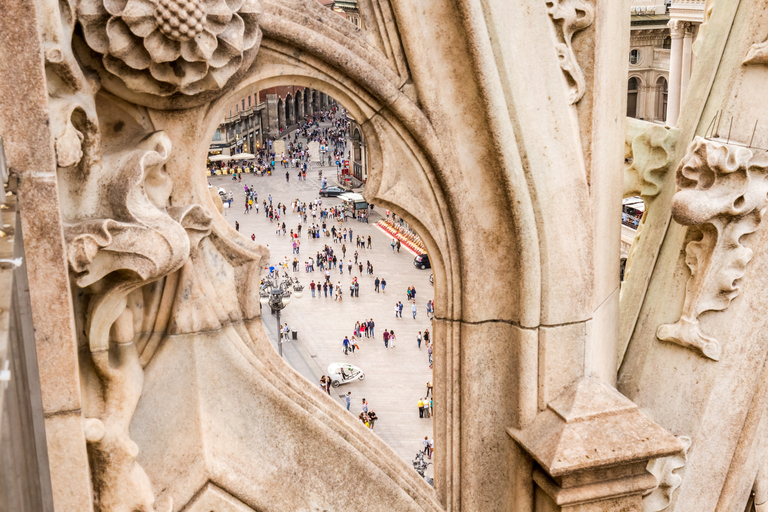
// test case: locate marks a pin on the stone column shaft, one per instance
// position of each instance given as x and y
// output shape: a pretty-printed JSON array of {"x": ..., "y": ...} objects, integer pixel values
[
  {"x": 675, "y": 71},
  {"x": 686, "y": 61}
]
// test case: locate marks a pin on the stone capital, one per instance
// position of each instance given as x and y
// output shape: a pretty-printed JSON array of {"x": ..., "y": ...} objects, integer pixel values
[{"x": 678, "y": 28}]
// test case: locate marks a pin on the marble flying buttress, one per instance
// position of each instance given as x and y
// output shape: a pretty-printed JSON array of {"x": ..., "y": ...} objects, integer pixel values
[{"x": 722, "y": 195}]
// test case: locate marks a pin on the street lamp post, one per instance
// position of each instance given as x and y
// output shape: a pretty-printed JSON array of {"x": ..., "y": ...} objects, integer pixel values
[{"x": 276, "y": 293}]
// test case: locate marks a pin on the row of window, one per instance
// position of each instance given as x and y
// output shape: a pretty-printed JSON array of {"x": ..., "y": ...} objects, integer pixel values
[{"x": 251, "y": 101}]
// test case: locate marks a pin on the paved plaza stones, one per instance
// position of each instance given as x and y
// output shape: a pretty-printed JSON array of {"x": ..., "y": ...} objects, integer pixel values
[{"x": 395, "y": 378}]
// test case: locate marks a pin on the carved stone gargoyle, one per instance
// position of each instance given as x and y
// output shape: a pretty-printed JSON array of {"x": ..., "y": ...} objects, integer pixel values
[{"x": 723, "y": 193}]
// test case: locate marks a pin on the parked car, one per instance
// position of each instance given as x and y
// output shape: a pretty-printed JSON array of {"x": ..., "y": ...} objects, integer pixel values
[
  {"x": 332, "y": 191},
  {"x": 422, "y": 261}
]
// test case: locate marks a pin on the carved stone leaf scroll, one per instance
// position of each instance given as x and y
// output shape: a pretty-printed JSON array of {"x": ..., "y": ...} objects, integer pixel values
[
  {"x": 666, "y": 470},
  {"x": 757, "y": 54},
  {"x": 570, "y": 16},
  {"x": 648, "y": 152},
  {"x": 723, "y": 194},
  {"x": 136, "y": 239}
]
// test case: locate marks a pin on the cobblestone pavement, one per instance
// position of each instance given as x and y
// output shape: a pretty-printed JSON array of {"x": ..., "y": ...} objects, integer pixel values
[{"x": 395, "y": 378}]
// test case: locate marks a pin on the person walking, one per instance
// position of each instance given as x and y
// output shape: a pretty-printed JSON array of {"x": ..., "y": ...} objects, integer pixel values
[
  {"x": 357, "y": 288},
  {"x": 345, "y": 343},
  {"x": 420, "y": 405},
  {"x": 383, "y": 285},
  {"x": 429, "y": 389},
  {"x": 365, "y": 406},
  {"x": 418, "y": 340},
  {"x": 348, "y": 398},
  {"x": 386, "y": 338},
  {"x": 413, "y": 309},
  {"x": 392, "y": 338},
  {"x": 370, "y": 327},
  {"x": 393, "y": 245},
  {"x": 400, "y": 308},
  {"x": 376, "y": 284},
  {"x": 397, "y": 309}
]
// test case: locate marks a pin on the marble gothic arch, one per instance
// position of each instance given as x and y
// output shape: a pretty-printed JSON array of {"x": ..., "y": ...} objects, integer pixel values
[{"x": 144, "y": 301}]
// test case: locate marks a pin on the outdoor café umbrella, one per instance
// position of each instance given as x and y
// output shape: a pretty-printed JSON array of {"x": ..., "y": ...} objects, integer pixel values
[{"x": 220, "y": 158}]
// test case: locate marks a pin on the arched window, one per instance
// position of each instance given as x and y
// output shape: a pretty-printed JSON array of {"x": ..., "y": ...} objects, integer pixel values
[
  {"x": 632, "y": 88},
  {"x": 634, "y": 57},
  {"x": 661, "y": 98}
]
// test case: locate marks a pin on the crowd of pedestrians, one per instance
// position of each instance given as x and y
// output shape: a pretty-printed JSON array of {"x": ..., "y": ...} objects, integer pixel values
[{"x": 321, "y": 238}]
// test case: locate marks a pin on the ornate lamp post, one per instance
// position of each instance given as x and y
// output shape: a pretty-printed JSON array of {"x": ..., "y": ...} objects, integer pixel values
[{"x": 276, "y": 293}]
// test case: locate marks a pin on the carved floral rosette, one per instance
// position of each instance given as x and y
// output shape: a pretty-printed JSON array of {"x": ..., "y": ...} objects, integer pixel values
[
  {"x": 722, "y": 194},
  {"x": 166, "y": 47}
]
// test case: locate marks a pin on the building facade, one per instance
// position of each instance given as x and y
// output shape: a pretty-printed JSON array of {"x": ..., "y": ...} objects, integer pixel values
[
  {"x": 358, "y": 160},
  {"x": 257, "y": 118},
  {"x": 661, "y": 56}
]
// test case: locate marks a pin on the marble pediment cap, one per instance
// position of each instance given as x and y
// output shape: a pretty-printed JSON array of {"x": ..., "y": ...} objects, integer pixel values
[{"x": 592, "y": 426}]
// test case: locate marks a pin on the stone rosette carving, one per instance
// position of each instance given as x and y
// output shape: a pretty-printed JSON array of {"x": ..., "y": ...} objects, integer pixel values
[
  {"x": 723, "y": 194},
  {"x": 570, "y": 16},
  {"x": 164, "y": 47}
]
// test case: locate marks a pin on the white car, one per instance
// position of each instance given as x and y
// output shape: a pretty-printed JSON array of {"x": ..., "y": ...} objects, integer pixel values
[{"x": 342, "y": 373}]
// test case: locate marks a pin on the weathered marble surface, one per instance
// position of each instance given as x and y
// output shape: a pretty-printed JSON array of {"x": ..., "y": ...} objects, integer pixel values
[{"x": 145, "y": 299}]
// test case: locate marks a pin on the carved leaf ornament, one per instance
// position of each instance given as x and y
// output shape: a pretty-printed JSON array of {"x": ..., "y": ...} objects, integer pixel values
[
  {"x": 165, "y": 47},
  {"x": 140, "y": 239},
  {"x": 723, "y": 194},
  {"x": 570, "y": 16}
]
